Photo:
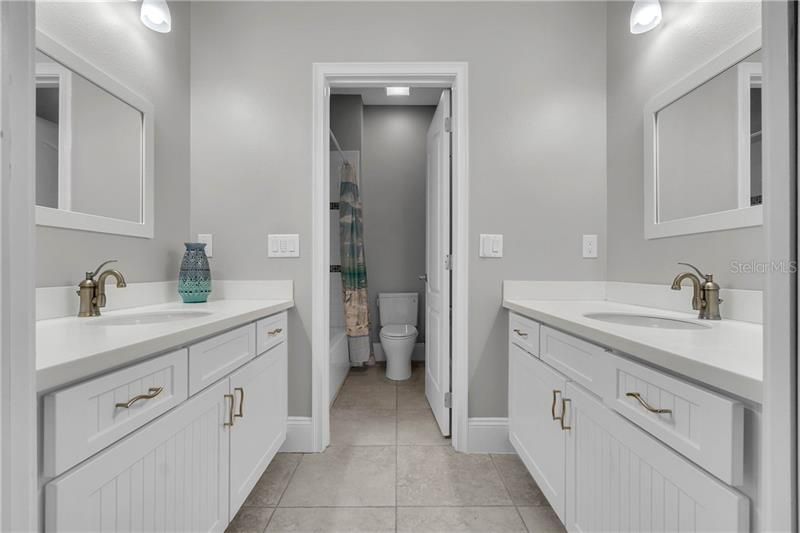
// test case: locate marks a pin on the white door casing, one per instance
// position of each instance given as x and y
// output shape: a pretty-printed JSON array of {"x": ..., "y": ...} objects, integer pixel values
[
  {"x": 381, "y": 74},
  {"x": 437, "y": 265}
]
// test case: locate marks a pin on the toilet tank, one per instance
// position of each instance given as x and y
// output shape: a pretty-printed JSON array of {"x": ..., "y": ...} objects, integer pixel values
[{"x": 398, "y": 308}]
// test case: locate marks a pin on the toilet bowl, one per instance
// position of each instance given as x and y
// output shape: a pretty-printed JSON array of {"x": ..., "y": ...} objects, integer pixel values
[
  {"x": 398, "y": 314},
  {"x": 398, "y": 344}
]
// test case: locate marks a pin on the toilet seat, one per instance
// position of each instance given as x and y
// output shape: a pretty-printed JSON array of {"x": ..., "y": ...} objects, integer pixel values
[{"x": 398, "y": 331}]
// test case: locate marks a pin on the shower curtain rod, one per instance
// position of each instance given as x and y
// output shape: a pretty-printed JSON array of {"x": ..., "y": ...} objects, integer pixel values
[{"x": 339, "y": 148}]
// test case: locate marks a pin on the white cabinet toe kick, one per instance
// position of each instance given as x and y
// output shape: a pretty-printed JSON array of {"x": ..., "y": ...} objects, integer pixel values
[
  {"x": 617, "y": 445},
  {"x": 176, "y": 442}
]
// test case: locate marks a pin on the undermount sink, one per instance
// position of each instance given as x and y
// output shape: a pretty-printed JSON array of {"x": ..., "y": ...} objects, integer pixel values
[
  {"x": 645, "y": 321},
  {"x": 153, "y": 317}
]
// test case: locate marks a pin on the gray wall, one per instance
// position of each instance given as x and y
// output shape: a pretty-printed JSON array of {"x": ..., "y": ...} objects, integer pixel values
[
  {"x": 393, "y": 182},
  {"x": 537, "y": 103},
  {"x": 156, "y": 66},
  {"x": 640, "y": 66},
  {"x": 347, "y": 120}
]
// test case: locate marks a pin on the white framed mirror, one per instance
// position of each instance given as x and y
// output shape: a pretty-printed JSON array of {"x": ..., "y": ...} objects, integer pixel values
[
  {"x": 702, "y": 147},
  {"x": 94, "y": 147}
]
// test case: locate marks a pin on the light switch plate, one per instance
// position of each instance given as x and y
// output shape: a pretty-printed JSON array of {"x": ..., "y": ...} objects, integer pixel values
[
  {"x": 491, "y": 245},
  {"x": 207, "y": 238},
  {"x": 283, "y": 245},
  {"x": 590, "y": 246}
]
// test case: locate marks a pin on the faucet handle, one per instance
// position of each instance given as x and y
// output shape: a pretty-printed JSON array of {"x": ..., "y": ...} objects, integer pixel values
[
  {"x": 696, "y": 270},
  {"x": 90, "y": 275}
]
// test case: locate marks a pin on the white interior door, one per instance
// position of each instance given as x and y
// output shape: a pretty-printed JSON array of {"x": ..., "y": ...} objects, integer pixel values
[{"x": 437, "y": 287}]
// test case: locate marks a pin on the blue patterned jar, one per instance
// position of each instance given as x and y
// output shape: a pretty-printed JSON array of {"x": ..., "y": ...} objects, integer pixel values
[{"x": 194, "y": 280}]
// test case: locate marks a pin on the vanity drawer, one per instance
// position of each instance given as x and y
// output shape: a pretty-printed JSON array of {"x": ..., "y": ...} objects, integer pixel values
[
  {"x": 215, "y": 358},
  {"x": 704, "y": 426},
  {"x": 577, "y": 359},
  {"x": 270, "y": 331},
  {"x": 81, "y": 420},
  {"x": 524, "y": 332}
]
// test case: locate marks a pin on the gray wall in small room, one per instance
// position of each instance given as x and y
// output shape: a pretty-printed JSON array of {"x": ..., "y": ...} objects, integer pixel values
[
  {"x": 537, "y": 160},
  {"x": 347, "y": 120},
  {"x": 639, "y": 67},
  {"x": 393, "y": 185},
  {"x": 156, "y": 66}
]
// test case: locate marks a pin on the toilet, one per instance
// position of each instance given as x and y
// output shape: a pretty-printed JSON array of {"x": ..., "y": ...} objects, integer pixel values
[{"x": 398, "y": 315}]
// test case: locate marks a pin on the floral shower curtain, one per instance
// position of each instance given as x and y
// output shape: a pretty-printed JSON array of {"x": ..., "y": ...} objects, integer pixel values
[{"x": 354, "y": 266}]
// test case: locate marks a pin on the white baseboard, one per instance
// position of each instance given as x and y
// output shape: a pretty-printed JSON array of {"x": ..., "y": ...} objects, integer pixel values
[
  {"x": 417, "y": 355},
  {"x": 488, "y": 435},
  {"x": 299, "y": 435}
]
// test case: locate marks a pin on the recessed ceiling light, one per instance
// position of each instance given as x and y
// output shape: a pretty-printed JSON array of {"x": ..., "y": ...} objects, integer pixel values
[{"x": 398, "y": 91}]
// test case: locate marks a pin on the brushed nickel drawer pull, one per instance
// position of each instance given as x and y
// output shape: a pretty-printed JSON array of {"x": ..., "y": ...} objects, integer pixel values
[
  {"x": 230, "y": 410},
  {"x": 240, "y": 414},
  {"x": 564, "y": 402},
  {"x": 647, "y": 406},
  {"x": 276, "y": 331},
  {"x": 152, "y": 392},
  {"x": 521, "y": 333},
  {"x": 553, "y": 408}
]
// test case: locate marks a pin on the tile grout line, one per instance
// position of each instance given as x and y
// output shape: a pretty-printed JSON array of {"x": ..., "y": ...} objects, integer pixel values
[
  {"x": 283, "y": 492},
  {"x": 510, "y": 497}
]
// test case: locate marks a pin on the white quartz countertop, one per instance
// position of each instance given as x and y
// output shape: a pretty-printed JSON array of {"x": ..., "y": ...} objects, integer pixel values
[
  {"x": 727, "y": 356},
  {"x": 71, "y": 349}
]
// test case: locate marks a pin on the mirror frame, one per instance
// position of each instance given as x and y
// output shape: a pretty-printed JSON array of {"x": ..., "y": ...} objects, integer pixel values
[
  {"x": 741, "y": 217},
  {"x": 59, "y": 218}
]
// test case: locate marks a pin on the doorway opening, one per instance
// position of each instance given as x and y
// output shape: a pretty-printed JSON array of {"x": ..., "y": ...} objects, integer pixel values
[{"x": 389, "y": 285}]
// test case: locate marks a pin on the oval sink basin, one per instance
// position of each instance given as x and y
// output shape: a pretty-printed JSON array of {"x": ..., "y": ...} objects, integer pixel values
[
  {"x": 154, "y": 317},
  {"x": 645, "y": 321}
]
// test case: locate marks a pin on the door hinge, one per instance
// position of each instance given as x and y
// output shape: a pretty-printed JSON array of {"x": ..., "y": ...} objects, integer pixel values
[
  {"x": 448, "y": 400},
  {"x": 448, "y": 262},
  {"x": 448, "y": 124}
]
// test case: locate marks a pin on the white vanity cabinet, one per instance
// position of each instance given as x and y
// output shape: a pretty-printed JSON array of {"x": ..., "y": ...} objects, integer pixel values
[
  {"x": 192, "y": 467},
  {"x": 171, "y": 475},
  {"x": 602, "y": 471},
  {"x": 260, "y": 394},
  {"x": 534, "y": 410},
  {"x": 621, "y": 479}
]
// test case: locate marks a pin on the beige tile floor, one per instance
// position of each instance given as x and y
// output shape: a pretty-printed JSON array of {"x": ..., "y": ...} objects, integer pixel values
[{"x": 388, "y": 469}]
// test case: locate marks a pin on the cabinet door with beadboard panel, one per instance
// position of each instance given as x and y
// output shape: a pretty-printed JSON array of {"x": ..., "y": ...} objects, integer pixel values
[
  {"x": 171, "y": 475},
  {"x": 535, "y": 392},
  {"x": 619, "y": 478},
  {"x": 261, "y": 397}
]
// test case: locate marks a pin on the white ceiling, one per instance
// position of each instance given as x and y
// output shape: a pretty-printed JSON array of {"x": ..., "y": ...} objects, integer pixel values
[{"x": 377, "y": 95}]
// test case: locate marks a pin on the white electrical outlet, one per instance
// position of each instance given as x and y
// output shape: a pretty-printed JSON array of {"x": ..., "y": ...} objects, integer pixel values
[
  {"x": 287, "y": 245},
  {"x": 590, "y": 246},
  {"x": 209, "y": 240}
]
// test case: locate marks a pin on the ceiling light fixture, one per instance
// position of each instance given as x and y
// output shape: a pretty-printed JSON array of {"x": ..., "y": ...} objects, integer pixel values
[
  {"x": 156, "y": 16},
  {"x": 645, "y": 15},
  {"x": 398, "y": 91}
]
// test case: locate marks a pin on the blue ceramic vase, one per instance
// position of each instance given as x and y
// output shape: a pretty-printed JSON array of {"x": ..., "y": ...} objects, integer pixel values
[{"x": 194, "y": 280}]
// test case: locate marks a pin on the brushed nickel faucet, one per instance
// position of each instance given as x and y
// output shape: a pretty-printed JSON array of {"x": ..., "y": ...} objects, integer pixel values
[
  {"x": 92, "y": 292},
  {"x": 705, "y": 297}
]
